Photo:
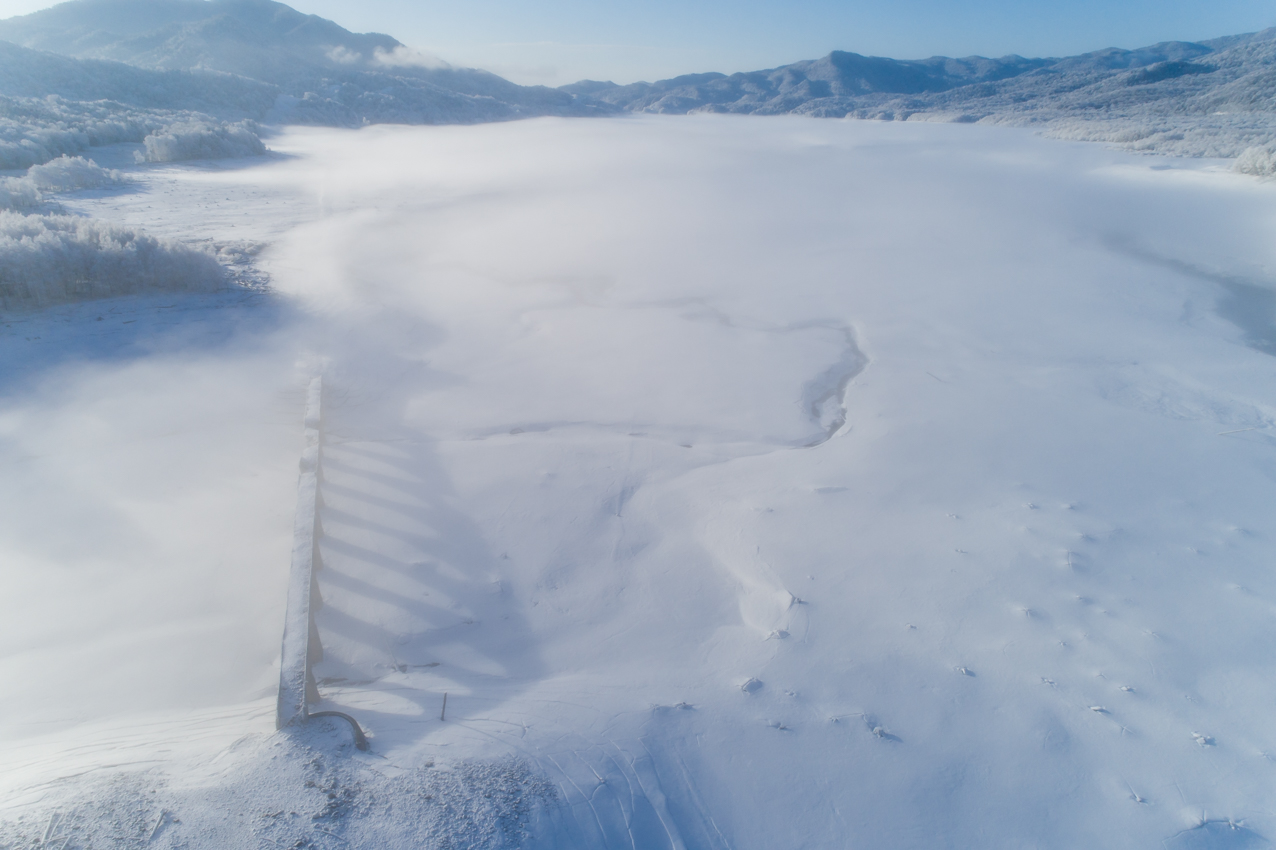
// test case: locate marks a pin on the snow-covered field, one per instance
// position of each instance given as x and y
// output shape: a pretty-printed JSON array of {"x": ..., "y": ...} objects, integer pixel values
[{"x": 744, "y": 483}]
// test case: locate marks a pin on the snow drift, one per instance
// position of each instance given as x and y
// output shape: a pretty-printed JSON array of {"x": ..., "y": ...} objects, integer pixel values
[
  {"x": 50, "y": 259},
  {"x": 198, "y": 140}
]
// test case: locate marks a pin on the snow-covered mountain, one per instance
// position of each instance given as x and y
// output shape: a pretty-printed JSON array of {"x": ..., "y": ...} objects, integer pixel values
[
  {"x": 320, "y": 72},
  {"x": 1210, "y": 98},
  {"x": 843, "y": 83},
  {"x": 26, "y": 73},
  {"x": 253, "y": 37}
]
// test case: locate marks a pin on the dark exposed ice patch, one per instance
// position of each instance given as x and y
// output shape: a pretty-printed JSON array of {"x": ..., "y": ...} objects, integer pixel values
[
  {"x": 1252, "y": 309},
  {"x": 1249, "y": 306},
  {"x": 824, "y": 397}
]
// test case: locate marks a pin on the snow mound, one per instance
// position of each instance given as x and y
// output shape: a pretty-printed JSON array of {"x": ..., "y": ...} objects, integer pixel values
[
  {"x": 49, "y": 259},
  {"x": 199, "y": 140}
]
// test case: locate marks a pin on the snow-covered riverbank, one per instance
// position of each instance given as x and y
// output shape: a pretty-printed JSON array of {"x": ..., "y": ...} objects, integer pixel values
[{"x": 755, "y": 482}]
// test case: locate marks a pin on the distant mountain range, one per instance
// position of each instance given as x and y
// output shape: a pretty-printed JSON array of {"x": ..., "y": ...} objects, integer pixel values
[
  {"x": 1206, "y": 98},
  {"x": 260, "y": 59},
  {"x": 841, "y": 83}
]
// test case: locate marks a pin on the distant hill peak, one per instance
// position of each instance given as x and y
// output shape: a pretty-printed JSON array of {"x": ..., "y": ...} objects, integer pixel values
[
  {"x": 319, "y": 72},
  {"x": 212, "y": 34}
]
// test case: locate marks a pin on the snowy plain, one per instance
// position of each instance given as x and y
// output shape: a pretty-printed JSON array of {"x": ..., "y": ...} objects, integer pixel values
[{"x": 757, "y": 482}]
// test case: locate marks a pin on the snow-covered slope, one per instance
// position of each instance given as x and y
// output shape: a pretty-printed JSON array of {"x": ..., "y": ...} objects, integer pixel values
[
  {"x": 910, "y": 492},
  {"x": 26, "y": 73}
]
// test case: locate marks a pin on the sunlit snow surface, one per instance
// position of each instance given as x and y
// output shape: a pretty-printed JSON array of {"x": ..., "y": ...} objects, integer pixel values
[{"x": 761, "y": 483}]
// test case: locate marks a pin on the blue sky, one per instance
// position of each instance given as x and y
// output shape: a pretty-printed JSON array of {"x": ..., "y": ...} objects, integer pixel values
[{"x": 560, "y": 41}]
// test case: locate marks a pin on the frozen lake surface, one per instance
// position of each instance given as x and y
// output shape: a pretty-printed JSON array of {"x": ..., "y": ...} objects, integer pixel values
[{"x": 754, "y": 483}]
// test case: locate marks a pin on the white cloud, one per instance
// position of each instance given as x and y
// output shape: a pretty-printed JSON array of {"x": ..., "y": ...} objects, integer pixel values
[
  {"x": 407, "y": 57},
  {"x": 343, "y": 55}
]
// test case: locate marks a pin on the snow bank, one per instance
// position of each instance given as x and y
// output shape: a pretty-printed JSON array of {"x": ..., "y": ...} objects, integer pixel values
[
  {"x": 200, "y": 140},
  {"x": 50, "y": 259},
  {"x": 333, "y": 801}
]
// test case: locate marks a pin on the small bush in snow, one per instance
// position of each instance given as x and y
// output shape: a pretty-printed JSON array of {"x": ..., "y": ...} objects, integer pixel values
[
  {"x": 48, "y": 259},
  {"x": 68, "y": 173},
  {"x": 199, "y": 140},
  {"x": 18, "y": 193},
  {"x": 64, "y": 174},
  {"x": 1261, "y": 162},
  {"x": 36, "y": 130}
]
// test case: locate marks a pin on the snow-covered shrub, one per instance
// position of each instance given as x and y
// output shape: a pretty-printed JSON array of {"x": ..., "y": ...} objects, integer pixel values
[
  {"x": 1215, "y": 135},
  {"x": 68, "y": 173},
  {"x": 36, "y": 130},
  {"x": 18, "y": 193},
  {"x": 47, "y": 259},
  {"x": 64, "y": 174},
  {"x": 202, "y": 140},
  {"x": 1261, "y": 162}
]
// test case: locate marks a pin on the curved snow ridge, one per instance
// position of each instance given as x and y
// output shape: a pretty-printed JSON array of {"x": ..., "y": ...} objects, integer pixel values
[
  {"x": 685, "y": 436},
  {"x": 1216, "y": 835},
  {"x": 824, "y": 396}
]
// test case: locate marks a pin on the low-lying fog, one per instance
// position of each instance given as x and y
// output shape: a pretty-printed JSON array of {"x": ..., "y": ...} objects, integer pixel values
[{"x": 762, "y": 482}]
